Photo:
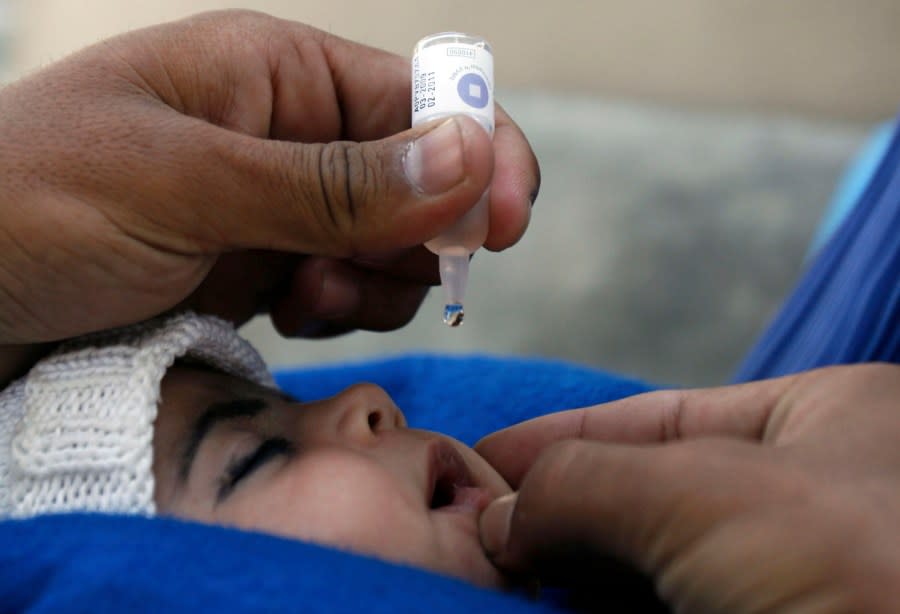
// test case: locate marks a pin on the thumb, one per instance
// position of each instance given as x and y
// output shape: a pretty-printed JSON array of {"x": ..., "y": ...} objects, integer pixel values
[
  {"x": 494, "y": 525},
  {"x": 567, "y": 500},
  {"x": 345, "y": 198},
  {"x": 572, "y": 498},
  {"x": 644, "y": 505}
]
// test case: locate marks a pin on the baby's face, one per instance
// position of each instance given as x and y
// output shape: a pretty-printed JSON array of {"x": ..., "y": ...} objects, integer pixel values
[{"x": 344, "y": 471}]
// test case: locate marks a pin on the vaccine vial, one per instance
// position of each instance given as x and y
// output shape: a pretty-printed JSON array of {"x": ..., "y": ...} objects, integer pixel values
[{"x": 453, "y": 74}]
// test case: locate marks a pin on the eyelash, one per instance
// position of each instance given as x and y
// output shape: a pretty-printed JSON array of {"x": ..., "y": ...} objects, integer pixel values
[{"x": 240, "y": 468}]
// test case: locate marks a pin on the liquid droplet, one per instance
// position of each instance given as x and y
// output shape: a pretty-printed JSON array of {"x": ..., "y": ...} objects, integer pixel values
[{"x": 453, "y": 314}]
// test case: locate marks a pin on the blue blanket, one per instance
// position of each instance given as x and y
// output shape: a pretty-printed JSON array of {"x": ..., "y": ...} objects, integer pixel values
[{"x": 96, "y": 563}]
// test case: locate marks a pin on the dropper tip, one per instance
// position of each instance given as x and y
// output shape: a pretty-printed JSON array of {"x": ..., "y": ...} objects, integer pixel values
[{"x": 453, "y": 314}]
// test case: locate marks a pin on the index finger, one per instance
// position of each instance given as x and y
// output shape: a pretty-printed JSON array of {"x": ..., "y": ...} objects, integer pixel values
[
  {"x": 743, "y": 411},
  {"x": 515, "y": 185}
]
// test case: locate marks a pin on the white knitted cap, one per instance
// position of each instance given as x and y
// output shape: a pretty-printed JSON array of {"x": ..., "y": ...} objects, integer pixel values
[{"x": 76, "y": 433}]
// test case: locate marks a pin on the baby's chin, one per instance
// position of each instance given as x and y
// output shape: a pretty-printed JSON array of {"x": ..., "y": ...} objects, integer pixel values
[
  {"x": 475, "y": 567},
  {"x": 461, "y": 554},
  {"x": 481, "y": 572}
]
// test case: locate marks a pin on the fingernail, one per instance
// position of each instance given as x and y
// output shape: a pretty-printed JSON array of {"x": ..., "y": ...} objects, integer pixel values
[
  {"x": 495, "y": 522},
  {"x": 434, "y": 162},
  {"x": 340, "y": 296}
]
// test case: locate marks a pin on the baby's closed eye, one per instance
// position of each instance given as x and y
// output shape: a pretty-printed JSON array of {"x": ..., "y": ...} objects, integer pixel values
[{"x": 239, "y": 468}]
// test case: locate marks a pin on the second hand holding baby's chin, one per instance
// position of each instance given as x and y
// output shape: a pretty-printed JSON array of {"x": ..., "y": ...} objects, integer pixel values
[{"x": 776, "y": 495}]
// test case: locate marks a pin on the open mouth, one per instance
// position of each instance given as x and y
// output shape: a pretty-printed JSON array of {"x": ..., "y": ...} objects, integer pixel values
[{"x": 451, "y": 485}]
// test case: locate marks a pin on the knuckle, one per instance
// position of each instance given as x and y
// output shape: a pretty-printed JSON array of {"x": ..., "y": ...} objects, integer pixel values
[
  {"x": 346, "y": 179},
  {"x": 673, "y": 411}
]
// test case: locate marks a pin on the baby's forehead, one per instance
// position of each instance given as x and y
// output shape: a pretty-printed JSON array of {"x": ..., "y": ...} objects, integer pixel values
[
  {"x": 191, "y": 389},
  {"x": 187, "y": 391},
  {"x": 200, "y": 375}
]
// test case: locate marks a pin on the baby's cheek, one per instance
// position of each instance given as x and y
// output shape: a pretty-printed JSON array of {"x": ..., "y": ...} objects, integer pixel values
[{"x": 344, "y": 503}]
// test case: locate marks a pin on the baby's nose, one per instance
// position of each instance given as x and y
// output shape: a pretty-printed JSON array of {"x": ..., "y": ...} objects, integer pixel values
[{"x": 365, "y": 411}]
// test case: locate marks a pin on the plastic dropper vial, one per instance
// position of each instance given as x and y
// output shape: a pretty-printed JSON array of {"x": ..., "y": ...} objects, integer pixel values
[{"x": 453, "y": 74}]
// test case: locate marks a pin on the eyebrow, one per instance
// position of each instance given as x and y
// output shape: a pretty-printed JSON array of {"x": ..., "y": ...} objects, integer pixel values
[{"x": 212, "y": 416}]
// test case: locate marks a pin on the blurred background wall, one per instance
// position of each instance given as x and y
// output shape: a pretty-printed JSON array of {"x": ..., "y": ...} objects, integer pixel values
[
  {"x": 689, "y": 150},
  {"x": 831, "y": 57}
]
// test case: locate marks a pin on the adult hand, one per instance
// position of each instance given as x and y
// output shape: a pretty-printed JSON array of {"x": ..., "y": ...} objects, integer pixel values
[
  {"x": 233, "y": 162},
  {"x": 781, "y": 495}
]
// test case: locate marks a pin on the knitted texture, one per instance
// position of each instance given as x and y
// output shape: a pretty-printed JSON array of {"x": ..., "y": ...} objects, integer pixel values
[{"x": 76, "y": 433}]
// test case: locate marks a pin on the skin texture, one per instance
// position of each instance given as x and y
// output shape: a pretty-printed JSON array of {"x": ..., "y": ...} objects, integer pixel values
[
  {"x": 234, "y": 163},
  {"x": 774, "y": 496},
  {"x": 356, "y": 477}
]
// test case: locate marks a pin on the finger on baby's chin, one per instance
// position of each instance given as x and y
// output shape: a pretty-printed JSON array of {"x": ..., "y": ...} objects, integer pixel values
[
  {"x": 561, "y": 507},
  {"x": 600, "y": 499}
]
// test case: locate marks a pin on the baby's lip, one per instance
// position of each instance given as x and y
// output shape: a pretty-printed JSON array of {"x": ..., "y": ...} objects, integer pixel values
[{"x": 451, "y": 485}]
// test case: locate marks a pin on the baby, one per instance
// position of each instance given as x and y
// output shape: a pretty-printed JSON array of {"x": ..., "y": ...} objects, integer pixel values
[{"x": 179, "y": 416}]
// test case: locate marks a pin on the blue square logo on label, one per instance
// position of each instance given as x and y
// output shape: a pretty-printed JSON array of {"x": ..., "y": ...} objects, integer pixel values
[{"x": 473, "y": 90}]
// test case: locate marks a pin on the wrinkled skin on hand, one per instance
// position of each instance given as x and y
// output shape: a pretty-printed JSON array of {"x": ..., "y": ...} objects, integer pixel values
[
  {"x": 774, "y": 496},
  {"x": 234, "y": 163}
]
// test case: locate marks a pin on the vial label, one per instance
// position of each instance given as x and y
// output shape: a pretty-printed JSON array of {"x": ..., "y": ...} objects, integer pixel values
[{"x": 453, "y": 78}]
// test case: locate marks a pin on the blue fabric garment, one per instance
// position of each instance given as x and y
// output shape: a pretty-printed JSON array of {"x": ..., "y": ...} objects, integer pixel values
[
  {"x": 96, "y": 563},
  {"x": 853, "y": 183},
  {"x": 846, "y": 307}
]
